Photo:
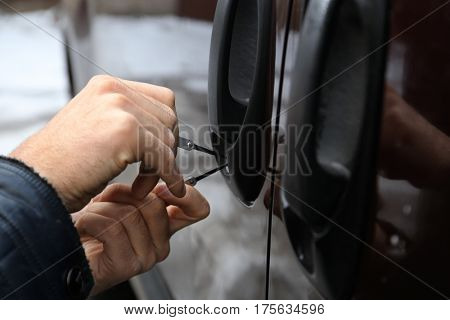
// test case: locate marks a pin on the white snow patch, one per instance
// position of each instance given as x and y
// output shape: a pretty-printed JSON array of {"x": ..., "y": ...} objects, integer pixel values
[{"x": 152, "y": 46}]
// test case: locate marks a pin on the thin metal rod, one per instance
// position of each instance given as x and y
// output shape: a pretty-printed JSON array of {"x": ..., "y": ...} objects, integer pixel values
[
  {"x": 189, "y": 145},
  {"x": 204, "y": 150},
  {"x": 193, "y": 180}
]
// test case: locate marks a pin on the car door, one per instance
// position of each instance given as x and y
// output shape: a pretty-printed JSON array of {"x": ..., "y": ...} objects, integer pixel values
[
  {"x": 410, "y": 234},
  {"x": 364, "y": 189},
  {"x": 332, "y": 117},
  {"x": 342, "y": 112},
  {"x": 334, "y": 97}
]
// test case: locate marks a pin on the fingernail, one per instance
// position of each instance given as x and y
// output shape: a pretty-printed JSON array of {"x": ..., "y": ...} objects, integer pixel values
[{"x": 163, "y": 190}]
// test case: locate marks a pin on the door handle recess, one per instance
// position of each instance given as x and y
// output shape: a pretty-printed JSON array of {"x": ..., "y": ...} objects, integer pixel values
[
  {"x": 240, "y": 92},
  {"x": 337, "y": 92},
  {"x": 336, "y": 89}
]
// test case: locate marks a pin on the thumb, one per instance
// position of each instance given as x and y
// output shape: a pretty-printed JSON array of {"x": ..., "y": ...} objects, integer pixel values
[{"x": 185, "y": 211}]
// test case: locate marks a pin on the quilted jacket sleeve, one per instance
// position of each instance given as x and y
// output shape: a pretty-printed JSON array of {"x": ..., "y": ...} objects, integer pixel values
[{"x": 40, "y": 252}]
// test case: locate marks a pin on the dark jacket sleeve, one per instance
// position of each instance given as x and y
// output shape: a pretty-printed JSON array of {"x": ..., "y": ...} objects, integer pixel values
[{"x": 40, "y": 252}]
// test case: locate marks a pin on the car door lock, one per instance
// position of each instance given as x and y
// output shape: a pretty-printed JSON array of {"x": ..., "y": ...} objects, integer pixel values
[{"x": 189, "y": 145}]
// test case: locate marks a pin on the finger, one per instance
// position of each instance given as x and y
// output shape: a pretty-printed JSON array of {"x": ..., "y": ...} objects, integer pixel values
[
  {"x": 150, "y": 103},
  {"x": 144, "y": 182},
  {"x": 193, "y": 203},
  {"x": 185, "y": 211},
  {"x": 151, "y": 123},
  {"x": 158, "y": 160},
  {"x": 178, "y": 219},
  {"x": 162, "y": 94},
  {"x": 75, "y": 216},
  {"x": 118, "y": 192},
  {"x": 116, "y": 246},
  {"x": 154, "y": 215},
  {"x": 135, "y": 227}
]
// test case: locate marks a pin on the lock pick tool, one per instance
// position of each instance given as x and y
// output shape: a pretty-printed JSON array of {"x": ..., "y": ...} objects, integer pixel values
[{"x": 189, "y": 145}]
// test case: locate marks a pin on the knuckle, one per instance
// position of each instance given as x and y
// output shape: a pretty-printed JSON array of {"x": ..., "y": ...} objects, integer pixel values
[
  {"x": 205, "y": 209},
  {"x": 170, "y": 139},
  {"x": 123, "y": 139},
  {"x": 80, "y": 225},
  {"x": 117, "y": 100},
  {"x": 150, "y": 260},
  {"x": 127, "y": 125},
  {"x": 172, "y": 119},
  {"x": 97, "y": 79},
  {"x": 170, "y": 96},
  {"x": 164, "y": 252},
  {"x": 137, "y": 267},
  {"x": 169, "y": 157},
  {"x": 112, "y": 191},
  {"x": 104, "y": 83}
]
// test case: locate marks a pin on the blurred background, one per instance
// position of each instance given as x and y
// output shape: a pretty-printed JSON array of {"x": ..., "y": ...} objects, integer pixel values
[{"x": 165, "y": 42}]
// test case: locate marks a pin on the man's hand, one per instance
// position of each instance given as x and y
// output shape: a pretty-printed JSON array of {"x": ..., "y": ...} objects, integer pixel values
[
  {"x": 110, "y": 124},
  {"x": 123, "y": 237}
]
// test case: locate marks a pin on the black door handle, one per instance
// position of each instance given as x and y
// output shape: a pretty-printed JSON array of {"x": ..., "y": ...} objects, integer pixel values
[
  {"x": 240, "y": 92},
  {"x": 336, "y": 90},
  {"x": 328, "y": 177}
]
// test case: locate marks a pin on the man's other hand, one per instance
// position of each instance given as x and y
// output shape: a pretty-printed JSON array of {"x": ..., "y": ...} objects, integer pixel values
[{"x": 123, "y": 236}]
